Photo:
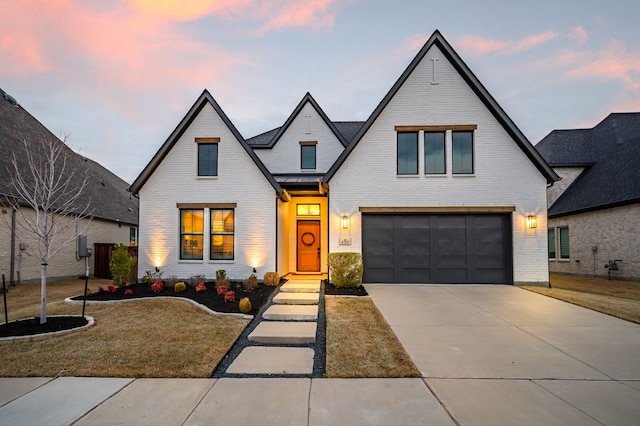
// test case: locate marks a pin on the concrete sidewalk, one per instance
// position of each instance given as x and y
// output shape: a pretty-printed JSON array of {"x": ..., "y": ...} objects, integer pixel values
[{"x": 489, "y": 355}]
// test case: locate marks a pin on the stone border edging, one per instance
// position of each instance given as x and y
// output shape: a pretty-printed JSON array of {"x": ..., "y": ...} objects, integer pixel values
[
  {"x": 193, "y": 302},
  {"x": 44, "y": 336}
]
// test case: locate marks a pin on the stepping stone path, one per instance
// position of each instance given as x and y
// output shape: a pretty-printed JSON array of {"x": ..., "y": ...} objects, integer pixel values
[{"x": 290, "y": 320}]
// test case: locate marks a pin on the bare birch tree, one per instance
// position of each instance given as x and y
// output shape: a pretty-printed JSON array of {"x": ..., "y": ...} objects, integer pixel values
[{"x": 47, "y": 198}]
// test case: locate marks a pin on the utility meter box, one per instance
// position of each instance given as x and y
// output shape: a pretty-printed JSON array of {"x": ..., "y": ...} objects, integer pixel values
[{"x": 83, "y": 250}]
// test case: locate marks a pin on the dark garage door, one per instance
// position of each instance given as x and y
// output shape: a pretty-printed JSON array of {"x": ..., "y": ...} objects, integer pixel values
[{"x": 437, "y": 248}]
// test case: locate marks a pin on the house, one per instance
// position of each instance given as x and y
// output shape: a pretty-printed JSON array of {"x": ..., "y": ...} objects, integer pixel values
[
  {"x": 115, "y": 211},
  {"x": 436, "y": 186},
  {"x": 594, "y": 211}
]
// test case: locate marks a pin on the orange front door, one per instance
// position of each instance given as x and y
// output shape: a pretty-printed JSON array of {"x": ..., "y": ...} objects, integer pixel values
[{"x": 308, "y": 246}]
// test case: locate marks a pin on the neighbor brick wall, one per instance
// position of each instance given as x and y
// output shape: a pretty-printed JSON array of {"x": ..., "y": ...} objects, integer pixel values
[{"x": 616, "y": 233}]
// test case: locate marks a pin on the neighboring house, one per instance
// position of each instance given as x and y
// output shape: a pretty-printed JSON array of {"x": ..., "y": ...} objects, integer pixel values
[
  {"x": 115, "y": 210},
  {"x": 435, "y": 187},
  {"x": 594, "y": 213}
]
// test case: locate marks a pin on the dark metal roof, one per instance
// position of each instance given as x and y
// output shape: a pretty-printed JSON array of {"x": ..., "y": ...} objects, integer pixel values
[
  {"x": 202, "y": 100},
  {"x": 293, "y": 178},
  {"x": 611, "y": 153},
  {"x": 270, "y": 138},
  {"x": 106, "y": 192},
  {"x": 490, "y": 103}
]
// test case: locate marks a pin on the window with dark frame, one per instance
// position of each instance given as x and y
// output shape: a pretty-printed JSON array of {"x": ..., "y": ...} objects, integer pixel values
[
  {"x": 434, "y": 153},
  {"x": 191, "y": 234},
  {"x": 551, "y": 243},
  {"x": 222, "y": 234},
  {"x": 407, "y": 153},
  {"x": 207, "y": 159},
  {"x": 462, "y": 152},
  {"x": 307, "y": 156},
  {"x": 563, "y": 240}
]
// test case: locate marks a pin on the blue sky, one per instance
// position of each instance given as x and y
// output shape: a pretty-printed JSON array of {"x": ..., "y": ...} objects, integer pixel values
[{"x": 117, "y": 76}]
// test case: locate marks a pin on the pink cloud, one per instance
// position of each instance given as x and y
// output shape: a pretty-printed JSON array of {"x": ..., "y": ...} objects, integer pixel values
[
  {"x": 306, "y": 13},
  {"x": 477, "y": 45},
  {"x": 614, "y": 63},
  {"x": 578, "y": 33},
  {"x": 535, "y": 40}
]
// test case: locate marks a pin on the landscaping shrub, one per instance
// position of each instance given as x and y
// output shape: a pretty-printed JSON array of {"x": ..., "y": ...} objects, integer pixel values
[
  {"x": 121, "y": 264},
  {"x": 201, "y": 287},
  {"x": 179, "y": 287},
  {"x": 128, "y": 292},
  {"x": 230, "y": 296},
  {"x": 171, "y": 281},
  {"x": 221, "y": 278},
  {"x": 271, "y": 279},
  {"x": 221, "y": 290},
  {"x": 194, "y": 280},
  {"x": 345, "y": 269},
  {"x": 251, "y": 283},
  {"x": 157, "y": 286},
  {"x": 245, "y": 305}
]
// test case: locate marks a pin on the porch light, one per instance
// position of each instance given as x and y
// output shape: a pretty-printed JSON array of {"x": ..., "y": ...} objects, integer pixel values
[
  {"x": 345, "y": 222},
  {"x": 532, "y": 222}
]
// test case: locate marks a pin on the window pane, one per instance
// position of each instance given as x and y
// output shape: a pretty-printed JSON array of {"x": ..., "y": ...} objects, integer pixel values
[
  {"x": 434, "y": 153},
  {"x": 563, "y": 234},
  {"x": 207, "y": 159},
  {"x": 307, "y": 156},
  {"x": 191, "y": 234},
  {"x": 222, "y": 234},
  {"x": 407, "y": 153},
  {"x": 551, "y": 242},
  {"x": 462, "y": 152}
]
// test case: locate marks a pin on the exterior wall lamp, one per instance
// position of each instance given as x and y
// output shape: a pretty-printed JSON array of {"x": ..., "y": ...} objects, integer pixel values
[
  {"x": 345, "y": 222},
  {"x": 532, "y": 222}
]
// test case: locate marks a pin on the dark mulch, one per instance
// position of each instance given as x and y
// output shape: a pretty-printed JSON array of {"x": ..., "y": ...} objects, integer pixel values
[
  {"x": 330, "y": 289},
  {"x": 208, "y": 298},
  {"x": 32, "y": 326}
]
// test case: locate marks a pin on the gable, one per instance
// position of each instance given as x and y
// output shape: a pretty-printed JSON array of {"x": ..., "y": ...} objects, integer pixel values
[
  {"x": 448, "y": 55},
  {"x": 307, "y": 127},
  {"x": 218, "y": 123}
]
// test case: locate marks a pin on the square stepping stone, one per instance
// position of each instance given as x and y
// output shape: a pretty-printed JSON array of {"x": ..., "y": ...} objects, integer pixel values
[
  {"x": 300, "y": 287},
  {"x": 296, "y": 298},
  {"x": 291, "y": 312},
  {"x": 273, "y": 360},
  {"x": 280, "y": 332}
]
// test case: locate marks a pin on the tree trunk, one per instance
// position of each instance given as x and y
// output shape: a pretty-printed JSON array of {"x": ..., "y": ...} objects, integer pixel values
[{"x": 43, "y": 292}]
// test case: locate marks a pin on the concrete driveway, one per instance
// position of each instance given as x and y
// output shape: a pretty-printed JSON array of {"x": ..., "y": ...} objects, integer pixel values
[{"x": 504, "y": 355}]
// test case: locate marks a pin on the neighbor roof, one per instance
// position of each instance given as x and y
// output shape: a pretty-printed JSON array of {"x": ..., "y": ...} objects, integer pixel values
[
  {"x": 610, "y": 153},
  {"x": 106, "y": 193},
  {"x": 490, "y": 103},
  {"x": 203, "y": 99}
]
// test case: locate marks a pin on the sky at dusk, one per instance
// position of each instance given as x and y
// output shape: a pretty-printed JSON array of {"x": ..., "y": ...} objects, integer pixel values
[{"x": 117, "y": 76}]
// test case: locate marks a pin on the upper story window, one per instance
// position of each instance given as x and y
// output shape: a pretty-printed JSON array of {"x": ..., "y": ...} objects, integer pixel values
[
  {"x": 308, "y": 155},
  {"x": 407, "y": 153},
  {"x": 207, "y": 156},
  {"x": 462, "y": 152},
  {"x": 434, "y": 153},
  {"x": 191, "y": 234}
]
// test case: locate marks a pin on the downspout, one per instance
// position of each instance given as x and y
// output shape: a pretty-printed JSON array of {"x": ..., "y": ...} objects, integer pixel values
[
  {"x": 276, "y": 238},
  {"x": 13, "y": 247}
]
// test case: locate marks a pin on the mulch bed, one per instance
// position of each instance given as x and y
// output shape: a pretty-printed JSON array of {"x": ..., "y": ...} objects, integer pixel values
[
  {"x": 32, "y": 326},
  {"x": 332, "y": 290},
  {"x": 208, "y": 298}
]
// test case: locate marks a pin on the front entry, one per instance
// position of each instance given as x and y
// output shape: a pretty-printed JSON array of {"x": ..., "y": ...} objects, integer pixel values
[{"x": 308, "y": 254}]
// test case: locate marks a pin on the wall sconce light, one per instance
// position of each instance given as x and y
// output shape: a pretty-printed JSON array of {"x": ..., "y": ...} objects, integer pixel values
[
  {"x": 532, "y": 222},
  {"x": 345, "y": 222}
]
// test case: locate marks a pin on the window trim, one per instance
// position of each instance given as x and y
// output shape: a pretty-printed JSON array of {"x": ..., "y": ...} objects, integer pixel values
[
  {"x": 313, "y": 144},
  {"x": 444, "y": 152},
  {"x": 207, "y": 141},
  {"x": 182, "y": 234},
  {"x": 417, "y": 154},
  {"x": 222, "y": 233},
  {"x": 473, "y": 159}
]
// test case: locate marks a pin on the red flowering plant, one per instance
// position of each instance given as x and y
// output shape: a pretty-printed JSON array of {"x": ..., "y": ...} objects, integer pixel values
[
  {"x": 201, "y": 287},
  {"x": 157, "y": 286},
  {"x": 112, "y": 289},
  {"x": 222, "y": 290},
  {"x": 230, "y": 296},
  {"x": 128, "y": 292}
]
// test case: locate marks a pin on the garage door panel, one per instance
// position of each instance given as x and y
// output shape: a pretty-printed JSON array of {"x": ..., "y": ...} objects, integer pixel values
[{"x": 436, "y": 248}]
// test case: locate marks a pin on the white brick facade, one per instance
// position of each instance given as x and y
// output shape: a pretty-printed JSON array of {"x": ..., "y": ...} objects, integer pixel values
[
  {"x": 175, "y": 182},
  {"x": 503, "y": 176}
]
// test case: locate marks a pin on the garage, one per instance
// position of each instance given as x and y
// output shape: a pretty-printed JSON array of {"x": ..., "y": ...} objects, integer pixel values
[{"x": 437, "y": 248}]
